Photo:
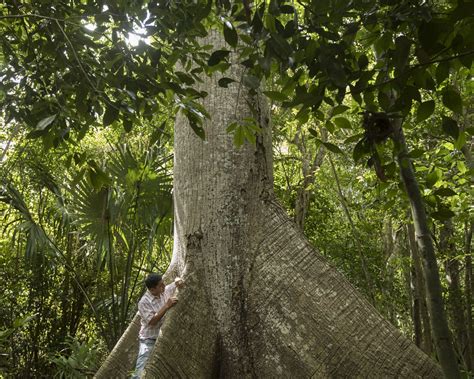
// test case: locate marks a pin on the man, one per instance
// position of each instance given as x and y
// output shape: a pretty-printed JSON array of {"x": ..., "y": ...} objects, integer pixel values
[{"x": 152, "y": 307}]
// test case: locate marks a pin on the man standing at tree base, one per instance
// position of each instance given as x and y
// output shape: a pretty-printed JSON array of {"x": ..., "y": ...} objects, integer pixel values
[{"x": 152, "y": 307}]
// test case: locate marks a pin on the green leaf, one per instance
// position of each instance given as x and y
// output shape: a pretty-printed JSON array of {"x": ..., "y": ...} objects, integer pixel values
[
  {"x": 330, "y": 126},
  {"x": 110, "y": 115},
  {"x": 442, "y": 72},
  {"x": 382, "y": 44},
  {"x": 460, "y": 141},
  {"x": 445, "y": 192},
  {"x": 217, "y": 56},
  {"x": 332, "y": 148},
  {"x": 443, "y": 214},
  {"x": 127, "y": 124},
  {"x": 98, "y": 178},
  {"x": 452, "y": 100},
  {"x": 198, "y": 129},
  {"x": 303, "y": 115},
  {"x": 45, "y": 122},
  {"x": 416, "y": 153},
  {"x": 287, "y": 9},
  {"x": 222, "y": 67},
  {"x": 313, "y": 132},
  {"x": 224, "y": 82},
  {"x": 461, "y": 167},
  {"x": 269, "y": 22},
  {"x": 430, "y": 34},
  {"x": 232, "y": 126},
  {"x": 342, "y": 123},
  {"x": 433, "y": 177},
  {"x": 239, "y": 136},
  {"x": 353, "y": 138},
  {"x": 360, "y": 149},
  {"x": 363, "y": 61},
  {"x": 275, "y": 95},
  {"x": 450, "y": 127},
  {"x": 251, "y": 81},
  {"x": 185, "y": 78},
  {"x": 230, "y": 34},
  {"x": 384, "y": 100},
  {"x": 402, "y": 51},
  {"x": 425, "y": 110},
  {"x": 339, "y": 109}
]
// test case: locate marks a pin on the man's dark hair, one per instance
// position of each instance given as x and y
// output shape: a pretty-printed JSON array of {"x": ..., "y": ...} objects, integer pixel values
[{"x": 152, "y": 280}]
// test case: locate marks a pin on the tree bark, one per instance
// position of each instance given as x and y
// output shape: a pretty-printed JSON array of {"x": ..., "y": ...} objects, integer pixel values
[
  {"x": 455, "y": 300},
  {"x": 468, "y": 280},
  {"x": 415, "y": 301},
  {"x": 421, "y": 318},
  {"x": 120, "y": 362},
  {"x": 469, "y": 290},
  {"x": 259, "y": 302},
  {"x": 309, "y": 166},
  {"x": 439, "y": 324}
]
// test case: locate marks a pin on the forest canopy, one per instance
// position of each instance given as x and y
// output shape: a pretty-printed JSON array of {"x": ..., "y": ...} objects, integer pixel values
[{"x": 371, "y": 114}]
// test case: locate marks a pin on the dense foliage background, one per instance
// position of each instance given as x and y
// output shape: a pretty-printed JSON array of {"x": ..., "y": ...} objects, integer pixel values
[{"x": 88, "y": 94}]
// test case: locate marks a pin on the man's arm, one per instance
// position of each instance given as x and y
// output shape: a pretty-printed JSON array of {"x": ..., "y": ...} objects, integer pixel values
[{"x": 159, "y": 315}]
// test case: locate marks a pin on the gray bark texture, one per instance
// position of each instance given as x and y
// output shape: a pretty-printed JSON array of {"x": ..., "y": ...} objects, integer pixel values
[
  {"x": 421, "y": 320},
  {"x": 121, "y": 359},
  {"x": 259, "y": 301}
]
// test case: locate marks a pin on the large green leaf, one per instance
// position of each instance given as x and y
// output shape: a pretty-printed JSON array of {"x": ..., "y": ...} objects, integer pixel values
[
  {"x": 342, "y": 123},
  {"x": 443, "y": 214},
  {"x": 452, "y": 100},
  {"x": 442, "y": 72},
  {"x": 217, "y": 56},
  {"x": 224, "y": 82},
  {"x": 111, "y": 114},
  {"x": 45, "y": 122},
  {"x": 230, "y": 34},
  {"x": 333, "y": 148},
  {"x": 275, "y": 95},
  {"x": 425, "y": 110},
  {"x": 361, "y": 149},
  {"x": 450, "y": 127}
]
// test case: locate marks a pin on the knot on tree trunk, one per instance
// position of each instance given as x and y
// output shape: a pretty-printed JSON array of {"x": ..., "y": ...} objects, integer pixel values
[{"x": 193, "y": 241}]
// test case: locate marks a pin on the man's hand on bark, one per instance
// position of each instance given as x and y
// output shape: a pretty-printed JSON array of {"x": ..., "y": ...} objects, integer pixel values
[
  {"x": 179, "y": 282},
  {"x": 171, "y": 302}
]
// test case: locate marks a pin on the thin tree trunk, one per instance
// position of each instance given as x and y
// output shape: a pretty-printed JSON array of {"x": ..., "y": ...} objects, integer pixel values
[
  {"x": 403, "y": 249},
  {"x": 439, "y": 324},
  {"x": 455, "y": 300},
  {"x": 309, "y": 166},
  {"x": 388, "y": 269},
  {"x": 355, "y": 233},
  {"x": 468, "y": 279},
  {"x": 420, "y": 312},
  {"x": 469, "y": 290}
]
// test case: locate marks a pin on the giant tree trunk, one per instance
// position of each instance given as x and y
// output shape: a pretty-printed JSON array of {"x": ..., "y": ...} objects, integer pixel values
[{"x": 259, "y": 302}]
